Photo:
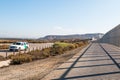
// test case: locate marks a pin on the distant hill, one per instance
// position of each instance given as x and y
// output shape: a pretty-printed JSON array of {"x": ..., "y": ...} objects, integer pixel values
[{"x": 74, "y": 36}]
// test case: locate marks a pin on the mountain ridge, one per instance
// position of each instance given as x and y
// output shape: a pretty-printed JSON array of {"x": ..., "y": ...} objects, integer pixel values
[{"x": 73, "y": 36}]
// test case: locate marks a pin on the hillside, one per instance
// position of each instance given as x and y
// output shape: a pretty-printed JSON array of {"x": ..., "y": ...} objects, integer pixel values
[{"x": 74, "y": 36}]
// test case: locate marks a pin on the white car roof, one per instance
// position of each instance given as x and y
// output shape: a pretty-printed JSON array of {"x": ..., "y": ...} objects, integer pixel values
[{"x": 22, "y": 42}]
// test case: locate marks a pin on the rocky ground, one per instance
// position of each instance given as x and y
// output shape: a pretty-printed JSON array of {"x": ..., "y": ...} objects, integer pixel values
[{"x": 35, "y": 70}]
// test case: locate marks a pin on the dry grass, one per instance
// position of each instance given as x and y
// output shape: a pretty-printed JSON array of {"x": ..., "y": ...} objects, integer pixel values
[
  {"x": 30, "y": 41},
  {"x": 2, "y": 58},
  {"x": 4, "y": 46},
  {"x": 7, "y": 41}
]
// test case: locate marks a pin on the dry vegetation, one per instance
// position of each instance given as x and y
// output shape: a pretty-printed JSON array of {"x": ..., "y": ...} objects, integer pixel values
[
  {"x": 2, "y": 58},
  {"x": 42, "y": 62},
  {"x": 26, "y": 40},
  {"x": 4, "y": 46},
  {"x": 57, "y": 49},
  {"x": 36, "y": 70}
]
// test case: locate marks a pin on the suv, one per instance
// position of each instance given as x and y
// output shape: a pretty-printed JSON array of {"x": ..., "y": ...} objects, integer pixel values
[{"x": 19, "y": 46}]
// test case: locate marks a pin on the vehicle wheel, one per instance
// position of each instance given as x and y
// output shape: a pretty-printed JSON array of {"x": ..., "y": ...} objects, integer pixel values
[{"x": 10, "y": 50}]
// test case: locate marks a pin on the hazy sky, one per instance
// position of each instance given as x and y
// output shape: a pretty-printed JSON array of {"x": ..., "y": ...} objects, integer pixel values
[{"x": 37, "y": 18}]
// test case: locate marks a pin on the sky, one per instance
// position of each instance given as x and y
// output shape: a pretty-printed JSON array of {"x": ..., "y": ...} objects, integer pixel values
[{"x": 38, "y": 18}]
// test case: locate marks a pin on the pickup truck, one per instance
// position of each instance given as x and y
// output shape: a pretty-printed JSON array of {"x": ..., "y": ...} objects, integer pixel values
[{"x": 18, "y": 46}]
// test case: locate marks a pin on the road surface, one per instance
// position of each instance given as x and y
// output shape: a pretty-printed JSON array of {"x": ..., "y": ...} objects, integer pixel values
[
  {"x": 32, "y": 46},
  {"x": 95, "y": 62}
]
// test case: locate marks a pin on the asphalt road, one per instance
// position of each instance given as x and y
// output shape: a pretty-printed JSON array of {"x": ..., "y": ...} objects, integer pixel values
[
  {"x": 95, "y": 62},
  {"x": 31, "y": 47}
]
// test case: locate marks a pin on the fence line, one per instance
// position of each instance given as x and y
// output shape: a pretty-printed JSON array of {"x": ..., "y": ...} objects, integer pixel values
[{"x": 28, "y": 50}]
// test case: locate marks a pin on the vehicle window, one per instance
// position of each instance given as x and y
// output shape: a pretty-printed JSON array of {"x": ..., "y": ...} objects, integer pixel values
[{"x": 18, "y": 43}]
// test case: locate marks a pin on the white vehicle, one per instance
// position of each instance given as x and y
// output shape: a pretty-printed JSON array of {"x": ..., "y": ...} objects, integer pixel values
[{"x": 18, "y": 46}]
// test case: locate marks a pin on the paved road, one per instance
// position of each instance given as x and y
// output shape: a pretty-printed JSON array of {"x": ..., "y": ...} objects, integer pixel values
[
  {"x": 95, "y": 62},
  {"x": 32, "y": 46}
]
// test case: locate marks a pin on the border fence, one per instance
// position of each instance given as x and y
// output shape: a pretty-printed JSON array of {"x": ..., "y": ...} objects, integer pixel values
[{"x": 112, "y": 37}]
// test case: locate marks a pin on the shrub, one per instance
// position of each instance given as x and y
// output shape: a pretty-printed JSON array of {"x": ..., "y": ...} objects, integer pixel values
[
  {"x": 2, "y": 58},
  {"x": 79, "y": 44},
  {"x": 40, "y": 54},
  {"x": 35, "y": 55},
  {"x": 46, "y": 52},
  {"x": 34, "y": 51},
  {"x": 10, "y": 56},
  {"x": 61, "y": 47},
  {"x": 21, "y": 58},
  {"x": 56, "y": 50}
]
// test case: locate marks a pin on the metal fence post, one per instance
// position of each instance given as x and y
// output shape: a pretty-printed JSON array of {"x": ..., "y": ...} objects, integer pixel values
[
  {"x": 19, "y": 51},
  {"x": 6, "y": 54},
  {"x": 33, "y": 48},
  {"x": 28, "y": 50},
  {"x": 24, "y": 51},
  {"x": 13, "y": 52}
]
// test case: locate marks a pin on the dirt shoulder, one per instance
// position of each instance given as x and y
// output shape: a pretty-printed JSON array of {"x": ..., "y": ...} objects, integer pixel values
[{"x": 35, "y": 70}]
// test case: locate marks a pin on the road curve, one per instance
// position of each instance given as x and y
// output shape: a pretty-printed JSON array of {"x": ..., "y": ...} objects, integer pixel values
[{"x": 95, "y": 62}]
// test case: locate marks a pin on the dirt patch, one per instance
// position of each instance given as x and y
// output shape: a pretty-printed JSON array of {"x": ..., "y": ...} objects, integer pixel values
[{"x": 35, "y": 70}]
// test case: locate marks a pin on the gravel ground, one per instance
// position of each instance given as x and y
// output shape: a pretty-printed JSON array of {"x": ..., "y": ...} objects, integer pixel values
[{"x": 35, "y": 70}]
